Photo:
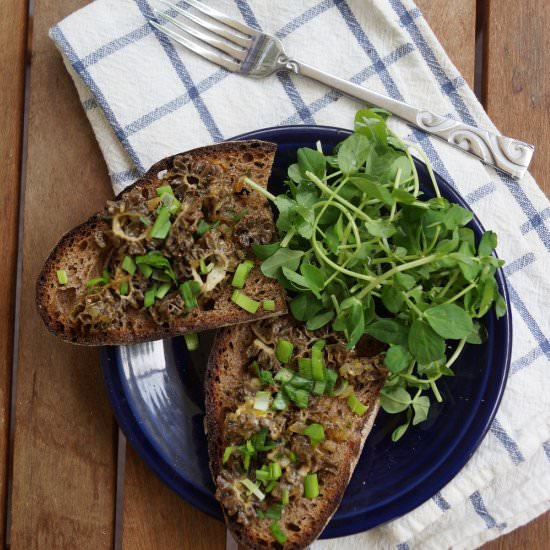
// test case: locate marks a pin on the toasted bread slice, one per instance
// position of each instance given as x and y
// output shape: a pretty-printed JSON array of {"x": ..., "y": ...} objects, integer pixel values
[
  {"x": 208, "y": 183},
  {"x": 232, "y": 418}
]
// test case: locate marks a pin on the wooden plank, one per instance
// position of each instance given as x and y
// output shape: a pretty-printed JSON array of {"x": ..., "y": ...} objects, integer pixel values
[
  {"x": 454, "y": 24},
  {"x": 64, "y": 452},
  {"x": 517, "y": 97},
  {"x": 13, "y": 18},
  {"x": 155, "y": 517}
]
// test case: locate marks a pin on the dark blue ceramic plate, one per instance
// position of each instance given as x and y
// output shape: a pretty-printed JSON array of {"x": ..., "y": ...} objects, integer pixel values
[{"x": 156, "y": 391}]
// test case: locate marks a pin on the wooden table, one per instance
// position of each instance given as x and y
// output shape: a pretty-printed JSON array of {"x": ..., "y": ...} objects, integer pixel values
[{"x": 67, "y": 479}]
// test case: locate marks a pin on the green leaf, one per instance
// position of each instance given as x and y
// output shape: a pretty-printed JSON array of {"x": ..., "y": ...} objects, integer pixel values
[
  {"x": 389, "y": 331},
  {"x": 421, "y": 406},
  {"x": 294, "y": 173},
  {"x": 489, "y": 292},
  {"x": 457, "y": 216},
  {"x": 397, "y": 358},
  {"x": 500, "y": 306},
  {"x": 425, "y": 344},
  {"x": 392, "y": 298},
  {"x": 303, "y": 307},
  {"x": 319, "y": 320},
  {"x": 373, "y": 189},
  {"x": 311, "y": 160},
  {"x": 380, "y": 228},
  {"x": 297, "y": 280},
  {"x": 353, "y": 153},
  {"x": 449, "y": 321},
  {"x": 314, "y": 278},
  {"x": 404, "y": 280},
  {"x": 400, "y": 431},
  {"x": 264, "y": 251},
  {"x": 400, "y": 195},
  {"x": 282, "y": 257},
  {"x": 478, "y": 335},
  {"x": 487, "y": 243},
  {"x": 394, "y": 400}
]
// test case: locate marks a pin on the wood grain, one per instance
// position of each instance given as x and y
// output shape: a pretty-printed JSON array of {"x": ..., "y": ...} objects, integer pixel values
[
  {"x": 517, "y": 98},
  {"x": 64, "y": 453},
  {"x": 13, "y": 25},
  {"x": 454, "y": 24},
  {"x": 155, "y": 517}
]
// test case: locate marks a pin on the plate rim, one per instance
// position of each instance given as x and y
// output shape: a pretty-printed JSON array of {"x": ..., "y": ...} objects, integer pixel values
[{"x": 458, "y": 457}]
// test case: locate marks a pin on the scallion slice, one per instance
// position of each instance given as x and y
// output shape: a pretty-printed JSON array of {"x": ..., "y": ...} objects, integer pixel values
[
  {"x": 283, "y": 350},
  {"x": 128, "y": 265},
  {"x": 241, "y": 273},
  {"x": 280, "y": 402},
  {"x": 278, "y": 534},
  {"x": 261, "y": 400},
  {"x": 243, "y": 301},
  {"x": 189, "y": 291},
  {"x": 262, "y": 475},
  {"x": 163, "y": 290},
  {"x": 342, "y": 386},
  {"x": 191, "y": 341},
  {"x": 315, "y": 432},
  {"x": 171, "y": 203},
  {"x": 162, "y": 224},
  {"x": 311, "y": 486},
  {"x": 356, "y": 406},
  {"x": 304, "y": 367},
  {"x": 317, "y": 365},
  {"x": 275, "y": 471},
  {"x": 298, "y": 396},
  {"x": 165, "y": 189},
  {"x": 274, "y": 512},
  {"x": 146, "y": 270},
  {"x": 227, "y": 454},
  {"x": 205, "y": 227},
  {"x": 238, "y": 217},
  {"x": 204, "y": 268},
  {"x": 331, "y": 377},
  {"x": 284, "y": 496},
  {"x": 62, "y": 278},
  {"x": 284, "y": 375},
  {"x": 124, "y": 288},
  {"x": 253, "y": 488},
  {"x": 145, "y": 220},
  {"x": 268, "y": 305},
  {"x": 319, "y": 387},
  {"x": 149, "y": 296},
  {"x": 301, "y": 382}
]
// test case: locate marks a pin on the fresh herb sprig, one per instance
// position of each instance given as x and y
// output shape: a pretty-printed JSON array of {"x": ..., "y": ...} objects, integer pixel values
[{"x": 361, "y": 248}]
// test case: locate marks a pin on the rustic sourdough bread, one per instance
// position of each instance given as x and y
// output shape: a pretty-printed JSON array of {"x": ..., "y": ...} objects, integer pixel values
[
  {"x": 229, "y": 372},
  {"x": 204, "y": 175}
]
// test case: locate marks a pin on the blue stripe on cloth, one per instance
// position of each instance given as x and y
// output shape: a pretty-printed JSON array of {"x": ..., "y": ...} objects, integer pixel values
[
  {"x": 89, "y": 104},
  {"x": 124, "y": 176},
  {"x": 368, "y": 48},
  {"x": 483, "y": 513},
  {"x": 508, "y": 443},
  {"x": 480, "y": 193},
  {"x": 441, "y": 502},
  {"x": 526, "y": 360},
  {"x": 518, "y": 264},
  {"x": 402, "y": 546},
  {"x": 284, "y": 78},
  {"x": 87, "y": 78},
  {"x": 546, "y": 447},
  {"x": 183, "y": 75},
  {"x": 529, "y": 320},
  {"x": 175, "y": 104},
  {"x": 303, "y": 18},
  {"x": 535, "y": 221},
  {"x": 358, "y": 78},
  {"x": 448, "y": 86}
]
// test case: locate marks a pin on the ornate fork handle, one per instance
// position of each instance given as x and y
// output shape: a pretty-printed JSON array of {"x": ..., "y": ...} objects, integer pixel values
[{"x": 509, "y": 155}]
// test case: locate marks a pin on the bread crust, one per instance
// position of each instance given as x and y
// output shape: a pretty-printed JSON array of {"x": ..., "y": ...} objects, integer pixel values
[
  {"x": 229, "y": 353},
  {"x": 144, "y": 328}
]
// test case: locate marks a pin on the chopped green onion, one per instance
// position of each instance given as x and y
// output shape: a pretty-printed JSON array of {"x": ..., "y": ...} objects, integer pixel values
[
  {"x": 268, "y": 305},
  {"x": 280, "y": 402},
  {"x": 356, "y": 406},
  {"x": 316, "y": 434},
  {"x": 62, "y": 277},
  {"x": 204, "y": 227},
  {"x": 146, "y": 270},
  {"x": 189, "y": 291},
  {"x": 145, "y": 220},
  {"x": 241, "y": 273},
  {"x": 284, "y": 375},
  {"x": 165, "y": 190},
  {"x": 243, "y": 301},
  {"x": 163, "y": 290},
  {"x": 171, "y": 203},
  {"x": 161, "y": 276},
  {"x": 311, "y": 486},
  {"x": 205, "y": 269},
  {"x": 96, "y": 281},
  {"x": 331, "y": 377},
  {"x": 162, "y": 224},
  {"x": 275, "y": 471},
  {"x": 124, "y": 288},
  {"x": 341, "y": 387},
  {"x": 157, "y": 260},
  {"x": 304, "y": 367},
  {"x": 317, "y": 365},
  {"x": 265, "y": 376},
  {"x": 261, "y": 400},
  {"x": 250, "y": 446},
  {"x": 292, "y": 456},
  {"x": 319, "y": 387},
  {"x": 253, "y": 488},
  {"x": 270, "y": 486},
  {"x": 283, "y": 350},
  {"x": 284, "y": 496},
  {"x": 128, "y": 265},
  {"x": 274, "y": 512},
  {"x": 149, "y": 296},
  {"x": 246, "y": 462},
  {"x": 279, "y": 535},
  {"x": 227, "y": 454},
  {"x": 298, "y": 396},
  {"x": 238, "y": 217},
  {"x": 301, "y": 382},
  {"x": 262, "y": 475}
]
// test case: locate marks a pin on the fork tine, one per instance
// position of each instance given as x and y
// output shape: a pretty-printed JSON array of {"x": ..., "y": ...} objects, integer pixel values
[
  {"x": 217, "y": 16},
  {"x": 234, "y": 51},
  {"x": 219, "y": 58}
]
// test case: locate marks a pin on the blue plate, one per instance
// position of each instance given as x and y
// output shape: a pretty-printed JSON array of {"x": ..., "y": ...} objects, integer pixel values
[{"x": 156, "y": 390}]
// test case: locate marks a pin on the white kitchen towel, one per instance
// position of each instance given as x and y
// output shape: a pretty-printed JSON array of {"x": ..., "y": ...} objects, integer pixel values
[{"x": 147, "y": 98}]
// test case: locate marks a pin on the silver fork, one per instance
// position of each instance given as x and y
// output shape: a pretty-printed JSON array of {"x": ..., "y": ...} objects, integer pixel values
[{"x": 244, "y": 50}]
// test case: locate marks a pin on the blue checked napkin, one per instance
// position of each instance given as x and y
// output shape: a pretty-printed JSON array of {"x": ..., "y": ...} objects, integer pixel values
[{"x": 147, "y": 98}]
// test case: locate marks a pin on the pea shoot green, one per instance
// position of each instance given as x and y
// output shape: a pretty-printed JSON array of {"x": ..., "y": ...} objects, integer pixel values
[{"x": 362, "y": 248}]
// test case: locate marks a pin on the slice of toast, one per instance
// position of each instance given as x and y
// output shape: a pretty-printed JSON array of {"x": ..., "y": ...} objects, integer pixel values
[
  {"x": 213, "y": 228},
  {"x": 232, "y": 418}
]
